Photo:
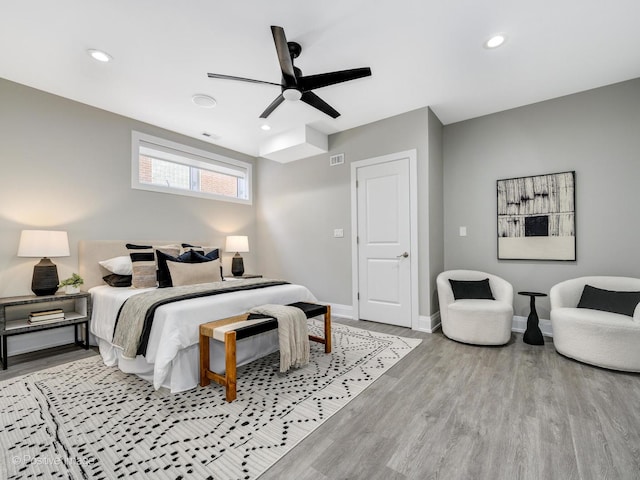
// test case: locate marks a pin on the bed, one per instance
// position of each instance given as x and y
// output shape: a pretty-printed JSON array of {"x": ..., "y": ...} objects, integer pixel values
[{"x": 171, "y": 359}]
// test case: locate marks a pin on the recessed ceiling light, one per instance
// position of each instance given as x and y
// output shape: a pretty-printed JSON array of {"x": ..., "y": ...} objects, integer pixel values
[
  {"x": 495, "y": 41},
  {"x": 266, "y": 127},
  {"x": 99, "y": 55},
  {"x": 204, "y": 101}
]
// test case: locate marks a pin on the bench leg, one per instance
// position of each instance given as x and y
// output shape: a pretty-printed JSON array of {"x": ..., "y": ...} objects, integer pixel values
[
  {"x": 230, "y": 365},
  {"x": 204, "y": 360},
  {"x": 229, "y": 379},
  {"x": 327, "y": 330}
]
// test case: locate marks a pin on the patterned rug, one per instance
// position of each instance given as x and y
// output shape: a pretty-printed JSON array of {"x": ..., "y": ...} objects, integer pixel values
[{"x": 84, "y": 420}]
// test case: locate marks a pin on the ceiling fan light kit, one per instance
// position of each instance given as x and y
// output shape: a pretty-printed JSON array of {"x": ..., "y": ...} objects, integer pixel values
[
  {"x": 294, "y": 85},
  {"x": 292, "y": 94}
]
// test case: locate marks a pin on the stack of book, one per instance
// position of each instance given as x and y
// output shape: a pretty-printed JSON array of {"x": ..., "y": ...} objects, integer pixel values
[{"x": 46, "y": 316}]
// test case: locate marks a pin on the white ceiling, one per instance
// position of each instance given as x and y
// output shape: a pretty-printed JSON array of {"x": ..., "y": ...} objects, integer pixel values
[{"x": 421, "y": 52}]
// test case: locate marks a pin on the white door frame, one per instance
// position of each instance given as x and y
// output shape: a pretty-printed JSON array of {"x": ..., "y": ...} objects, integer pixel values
[{"x": 413, "y": 253}]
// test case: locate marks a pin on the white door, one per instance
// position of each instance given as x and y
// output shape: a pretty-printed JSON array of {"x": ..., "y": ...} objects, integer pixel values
[{"x": 384, "y": 242}]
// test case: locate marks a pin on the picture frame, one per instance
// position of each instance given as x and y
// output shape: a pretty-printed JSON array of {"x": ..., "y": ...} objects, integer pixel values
[{"x": 537, "y": 217}]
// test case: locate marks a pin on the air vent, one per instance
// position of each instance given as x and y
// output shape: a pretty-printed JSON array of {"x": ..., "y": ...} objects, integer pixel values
[
  {"x": 336, "y": 159},
  {"x": 212, "y": 136}
]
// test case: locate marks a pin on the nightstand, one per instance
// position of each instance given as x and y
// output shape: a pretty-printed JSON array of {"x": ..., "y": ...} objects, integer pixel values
[{"x": 14, "y": 316}]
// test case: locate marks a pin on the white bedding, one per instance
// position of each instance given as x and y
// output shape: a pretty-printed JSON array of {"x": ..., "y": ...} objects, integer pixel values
[{"x": 172, "y": 358}]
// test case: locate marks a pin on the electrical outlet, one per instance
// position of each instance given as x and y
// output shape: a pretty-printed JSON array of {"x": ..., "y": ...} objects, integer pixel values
[
  {"x": 463, "y": 231},
  {"x": 338, "y": 233}
]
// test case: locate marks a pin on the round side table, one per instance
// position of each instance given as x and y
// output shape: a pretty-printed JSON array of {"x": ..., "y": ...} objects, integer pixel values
[{"x": 533, "y": 335}]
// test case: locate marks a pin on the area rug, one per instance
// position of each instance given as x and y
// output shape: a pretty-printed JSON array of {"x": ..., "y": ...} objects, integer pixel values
[{"x": 84, "y": 420}]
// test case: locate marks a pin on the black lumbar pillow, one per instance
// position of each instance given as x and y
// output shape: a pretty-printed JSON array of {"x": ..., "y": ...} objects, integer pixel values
[
  {"x": 115, "y": 280},
  {"x": 466, "y": 289},
  {"x": 612, "y": 301}
]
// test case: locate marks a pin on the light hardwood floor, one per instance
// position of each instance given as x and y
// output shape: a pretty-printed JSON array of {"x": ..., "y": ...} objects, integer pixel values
[{"x": 453, "y": 411}]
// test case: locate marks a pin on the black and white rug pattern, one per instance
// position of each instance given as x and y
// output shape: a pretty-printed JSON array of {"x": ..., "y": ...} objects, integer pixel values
[{"x": 84, "y": 420}]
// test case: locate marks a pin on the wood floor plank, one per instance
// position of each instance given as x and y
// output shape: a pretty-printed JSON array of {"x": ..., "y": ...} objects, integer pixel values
[{"x": 455, "y": 411}]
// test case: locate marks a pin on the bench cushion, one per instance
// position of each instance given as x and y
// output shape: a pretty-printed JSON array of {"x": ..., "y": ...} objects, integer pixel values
[
  {"x": 310, "y": 309},
  {"x": 257, "y": 323},
  {"x": 253, "y": 325}
]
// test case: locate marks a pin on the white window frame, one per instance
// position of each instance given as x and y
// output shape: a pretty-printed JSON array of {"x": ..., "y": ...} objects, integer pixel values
[{"x": 189, "y": 156}]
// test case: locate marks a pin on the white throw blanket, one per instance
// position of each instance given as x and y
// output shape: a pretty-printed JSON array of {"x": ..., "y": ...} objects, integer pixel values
[{"x": 293, "y": 334}]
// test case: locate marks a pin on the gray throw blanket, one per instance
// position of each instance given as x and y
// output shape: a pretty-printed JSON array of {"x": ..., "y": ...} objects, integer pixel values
[{"x": 293, "y": 334}]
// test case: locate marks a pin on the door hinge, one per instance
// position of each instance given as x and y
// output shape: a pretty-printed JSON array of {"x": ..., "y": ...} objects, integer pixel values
[
  {"x": 358, "y": 295},
  {"x": 357, "y": 239},
  {"x": 356, "y": 183}
]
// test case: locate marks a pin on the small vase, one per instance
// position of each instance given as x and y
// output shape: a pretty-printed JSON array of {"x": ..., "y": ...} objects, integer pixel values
[{"x": 71, "y": 289}]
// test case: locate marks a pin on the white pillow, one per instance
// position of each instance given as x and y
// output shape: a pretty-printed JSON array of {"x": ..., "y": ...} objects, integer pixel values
[{"x": 120, "y": 265}]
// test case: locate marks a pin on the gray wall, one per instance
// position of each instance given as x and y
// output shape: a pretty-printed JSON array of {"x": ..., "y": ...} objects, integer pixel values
[
  {"x": 67, "y": 166},
  {"x": 597, "y": 134},
  {"x": 435, "y": 243},
  {"x": 301, "y": 203}
]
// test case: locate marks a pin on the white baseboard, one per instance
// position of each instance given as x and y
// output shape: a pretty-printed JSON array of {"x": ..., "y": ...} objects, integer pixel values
[
  {"x": 432, "y": 323},
  {"x": 428, "y": 324},
  {"x": 342, "y": 311},
  {"x": 520, "y": 325}
]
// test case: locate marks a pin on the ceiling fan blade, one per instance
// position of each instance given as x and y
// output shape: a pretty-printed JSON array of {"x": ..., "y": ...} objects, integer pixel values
[
  {"x": 242, "y": 79},
  {"x": 284, "y": 56},
  {"x": 279, "y": 99},
  {"x": 315, "y": 101},
  {"x": 325, "y": 79}
]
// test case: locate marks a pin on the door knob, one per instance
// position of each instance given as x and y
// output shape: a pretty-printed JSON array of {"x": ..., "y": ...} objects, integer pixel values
[{"x": 404, "y": 255}]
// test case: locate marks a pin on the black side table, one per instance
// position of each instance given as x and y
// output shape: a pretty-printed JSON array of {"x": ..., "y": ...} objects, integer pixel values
[{"x": 533, "y": 335}]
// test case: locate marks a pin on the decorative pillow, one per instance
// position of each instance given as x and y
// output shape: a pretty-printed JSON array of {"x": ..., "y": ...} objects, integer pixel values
[
  {"x": 213, "y": 254},
  {"x": 115, "y": 280},
  {"x": 192, "y": 273},
  {"x": 143, "y": 260},
  {"x": 164, "y": 276},
  {"x": 624, "y": 302},
  {"x": 476, "y": 289},
  {"x": 119, "y": 265}
]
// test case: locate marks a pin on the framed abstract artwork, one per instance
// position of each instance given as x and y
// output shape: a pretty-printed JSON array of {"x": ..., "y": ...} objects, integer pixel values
[{"x": 537, "y": 217}]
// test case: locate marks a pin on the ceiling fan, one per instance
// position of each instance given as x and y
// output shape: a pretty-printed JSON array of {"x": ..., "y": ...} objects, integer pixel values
[{"x": 294, "y": 85}]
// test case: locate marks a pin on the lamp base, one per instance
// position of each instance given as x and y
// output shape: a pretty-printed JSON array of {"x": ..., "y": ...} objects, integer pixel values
[
  {"x": 45, "y": 278},
  {"x": 237, "y": 265}
]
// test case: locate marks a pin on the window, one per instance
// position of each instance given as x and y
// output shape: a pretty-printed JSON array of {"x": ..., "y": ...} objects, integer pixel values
[{"x": 163, "y": 166}]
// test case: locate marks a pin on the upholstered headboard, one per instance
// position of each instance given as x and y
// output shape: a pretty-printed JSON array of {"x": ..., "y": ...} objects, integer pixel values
[{"x": 90, "y": 252}]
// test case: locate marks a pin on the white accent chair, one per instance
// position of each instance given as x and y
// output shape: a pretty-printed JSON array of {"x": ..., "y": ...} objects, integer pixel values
[
  {"x": 604, "y": 339},
  {"x": 479, "y": 322}
]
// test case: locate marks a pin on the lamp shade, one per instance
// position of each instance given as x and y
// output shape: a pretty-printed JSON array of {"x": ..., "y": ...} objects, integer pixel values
[
  {"x": 237, "y": 243},
  {"x": 43, "y": 243}
]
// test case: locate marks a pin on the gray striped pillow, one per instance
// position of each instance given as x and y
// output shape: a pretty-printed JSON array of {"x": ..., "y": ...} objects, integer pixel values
[{"x": 143, "y": 261}]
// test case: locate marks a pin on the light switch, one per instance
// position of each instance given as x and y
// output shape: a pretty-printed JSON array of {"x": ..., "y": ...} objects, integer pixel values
[
  {"x": 463, "y": 231},
  {"x": 338, "y": 233}
]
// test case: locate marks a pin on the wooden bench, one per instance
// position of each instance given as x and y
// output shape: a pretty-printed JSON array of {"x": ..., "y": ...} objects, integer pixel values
[{"x": 229, "y": 330}]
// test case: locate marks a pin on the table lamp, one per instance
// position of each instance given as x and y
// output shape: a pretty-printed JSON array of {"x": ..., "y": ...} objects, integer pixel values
[
  {"x": 44, "y": 244},
  {"x": 238, "y": 244}
]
